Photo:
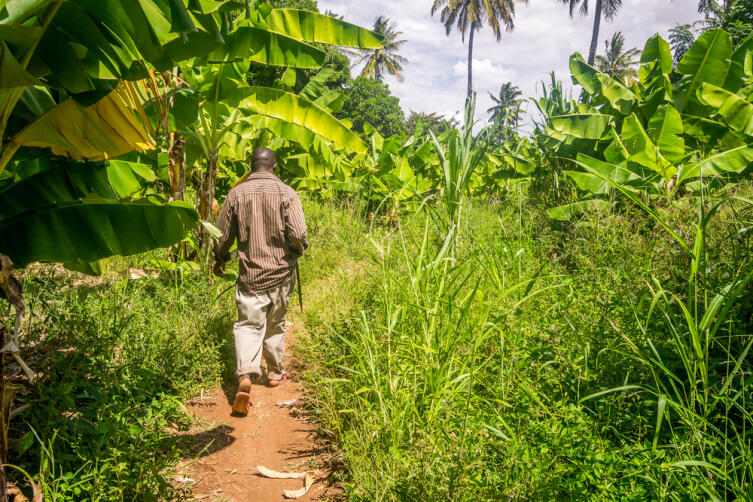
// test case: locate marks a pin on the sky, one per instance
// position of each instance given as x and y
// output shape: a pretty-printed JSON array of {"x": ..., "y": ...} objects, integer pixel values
[{"x": 543, "y": 39}]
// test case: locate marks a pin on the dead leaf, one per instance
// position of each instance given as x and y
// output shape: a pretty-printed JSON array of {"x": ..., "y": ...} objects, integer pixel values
[
  {"x": 269, "y": 473},
  {"x": 308, "y": 482}
]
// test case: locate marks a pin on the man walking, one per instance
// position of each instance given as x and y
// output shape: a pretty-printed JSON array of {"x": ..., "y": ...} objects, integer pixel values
[{"x": 266, "y": 217}]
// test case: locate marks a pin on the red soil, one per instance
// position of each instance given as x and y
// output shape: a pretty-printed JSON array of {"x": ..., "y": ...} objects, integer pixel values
[{"x": 276, "y": 437}]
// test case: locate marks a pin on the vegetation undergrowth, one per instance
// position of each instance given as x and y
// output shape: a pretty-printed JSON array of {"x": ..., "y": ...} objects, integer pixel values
[
  {"x": 517, "y": 369},
  {"x": 119, "y": 357}
]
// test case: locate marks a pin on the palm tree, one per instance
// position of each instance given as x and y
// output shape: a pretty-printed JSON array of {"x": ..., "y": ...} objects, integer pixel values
[
  {"x": 470, "y": 15},
  {"x": 606, "y": 9},
  {"x": 680, "y": 40},
  {"x": 617, "y": 62},
  {"x": 506, "y": 109},
  {"x": 386, "y": 59}
]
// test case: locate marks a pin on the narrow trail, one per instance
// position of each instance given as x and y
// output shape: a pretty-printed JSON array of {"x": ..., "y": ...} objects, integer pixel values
[{"x": 277, "y": 437}]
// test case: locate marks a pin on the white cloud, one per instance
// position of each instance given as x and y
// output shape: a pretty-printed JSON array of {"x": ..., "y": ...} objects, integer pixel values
[{"x": 542, "y": 41}]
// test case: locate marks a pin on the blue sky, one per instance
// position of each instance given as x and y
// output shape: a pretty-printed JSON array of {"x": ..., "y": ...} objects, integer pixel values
[{"x": 543, "y": 39}]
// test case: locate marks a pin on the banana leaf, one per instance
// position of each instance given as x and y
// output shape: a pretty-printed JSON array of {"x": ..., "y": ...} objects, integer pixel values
[
  {"x": 665, "y": 130},
  {"x": 735, "y": 160},
  {"x": 71, "y": 182},
  {"x": 707, "y": 61},
  {"x": 263, "y": 46},
  {"x": 583, "y": 126},
  {"x": 107, "y": 129},
  {"x": 735, "y": 111},
  {"x": 314, "y": 27},
  {"x": 93, "y": 229},
  {"x": 566, "y": 212},
  {"x": 291, "y": 108}
]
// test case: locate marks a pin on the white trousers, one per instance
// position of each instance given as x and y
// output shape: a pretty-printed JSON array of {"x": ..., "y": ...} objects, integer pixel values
[{"x": 261, "y": 329}]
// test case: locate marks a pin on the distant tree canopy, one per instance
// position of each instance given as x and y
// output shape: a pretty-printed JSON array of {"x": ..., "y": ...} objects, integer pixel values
[
  {"x": 368, "y": 100},
  {"x": 738, "y": 21},
  {"x": 431, "y": 121},
  {"x": 265, "y": 75}
]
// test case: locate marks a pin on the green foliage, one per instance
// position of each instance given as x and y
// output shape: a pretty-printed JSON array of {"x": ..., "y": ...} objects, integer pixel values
[
  {"x": 680, "y": 39},
  {"x": 675, "y": 131},
  {"x": 370, "y": 101},
  {"x": 107, "y": 420},
  {"x": 434, "y": 122},
  {"x": 467, "y": 378},
  {"x": 738, "y": 21}
]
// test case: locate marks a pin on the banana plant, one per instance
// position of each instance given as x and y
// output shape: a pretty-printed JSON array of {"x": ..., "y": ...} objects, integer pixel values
[
  {"x": 222, "y": 110},
  {"x": 673, "y": 129},
  {"x": 64, "y": 91}
]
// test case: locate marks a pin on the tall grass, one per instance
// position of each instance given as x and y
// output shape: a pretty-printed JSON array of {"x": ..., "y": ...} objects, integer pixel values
[{"x": 490, "y": 373}]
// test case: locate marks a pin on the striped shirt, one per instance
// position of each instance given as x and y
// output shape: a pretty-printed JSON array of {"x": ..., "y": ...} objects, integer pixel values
[{"x": 266, "y": 217}]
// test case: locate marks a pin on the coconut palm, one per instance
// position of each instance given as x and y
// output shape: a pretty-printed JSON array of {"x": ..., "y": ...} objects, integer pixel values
[
  {"x": 385, "y": 59},
  {"x": 469, "y": 16},
  {"x": 506, "y": 109},
  {"x": 606, "y": 9},
  {"x": 618, "y": 62}
]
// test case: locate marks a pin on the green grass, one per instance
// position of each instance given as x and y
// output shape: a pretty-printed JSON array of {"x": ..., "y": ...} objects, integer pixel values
[
  {"x": 433, "y": 375},
  {"x": 462, "y": 377},
  {"x": 118, "y": 358}
]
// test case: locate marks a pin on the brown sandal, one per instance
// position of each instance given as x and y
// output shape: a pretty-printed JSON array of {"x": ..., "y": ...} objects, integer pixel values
[
  {"x": 240, "y": 405},
  {"x": 275, "y": 383},
  {"x": 242, "y": 397}
]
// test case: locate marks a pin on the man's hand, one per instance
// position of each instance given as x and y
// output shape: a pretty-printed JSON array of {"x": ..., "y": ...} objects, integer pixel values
[{"x": 219, "y": 269}]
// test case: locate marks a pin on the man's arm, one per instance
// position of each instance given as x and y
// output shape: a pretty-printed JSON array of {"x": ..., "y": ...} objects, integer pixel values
[
  {"x": 227, "y": 223},
  {"x": 295, "y": 226}
]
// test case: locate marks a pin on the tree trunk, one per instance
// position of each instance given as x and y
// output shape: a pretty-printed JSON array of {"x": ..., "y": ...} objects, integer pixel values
[
  {"x": 595, "y": 34},
  {"x": 176, "y": 167},
  {"x": 470, "y": 59},
  {"x": 206, "y": 195},
  {"x": 176, "y": 153}
]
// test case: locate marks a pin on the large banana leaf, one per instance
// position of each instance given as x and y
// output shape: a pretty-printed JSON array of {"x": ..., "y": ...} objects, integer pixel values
[
  {"x": 291, "y": 108},
  {"x": 72, "y": 182},
  {"x": 93, "y": 229},
  {"x": 314, "y": 27},
  {"x": 107, "y": 129},
  {"x": 735, "y": 111},
  {"x": 665, "y": 130},
  {"x": 735, "y": 160},
  {"x": 582, "y": 125},
  {"x": 590, "y": 182},
  {"x": 656, "y": 60},
  {"x": 741, "y": 66},
  {"x": 642, "y": 150},
  {"x": 707, "y": 60},
  {"x": 263, "y": 46},
  {"x": 600, "y": 84}
]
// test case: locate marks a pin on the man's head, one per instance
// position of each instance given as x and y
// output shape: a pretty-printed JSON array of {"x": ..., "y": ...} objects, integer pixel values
[{"x": 263, "y": 160}]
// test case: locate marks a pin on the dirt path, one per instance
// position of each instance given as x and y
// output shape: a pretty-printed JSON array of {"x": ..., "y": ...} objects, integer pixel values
[{"x": 277, "y": 437}]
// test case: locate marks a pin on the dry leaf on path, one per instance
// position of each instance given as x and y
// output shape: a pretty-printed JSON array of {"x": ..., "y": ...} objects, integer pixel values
[
  {"x": 269, "y": 473},
  {"x": 308, "y": 482}
]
